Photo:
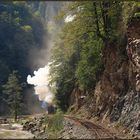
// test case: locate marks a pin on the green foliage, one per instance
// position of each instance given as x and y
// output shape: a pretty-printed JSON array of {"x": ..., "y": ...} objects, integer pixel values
[
  {"x": 136, "y": 9},
  {"x": 90, "y": 65},
  {"x": 17, "y": 21},
  {"x": 13, "y": 89},
  {"x": 78, "y": 51},
  {"x": 26, "y": 28},
  {"x": 16, "y": 38},
  {"x": 77, "y": 54},
  {"x": 54, "y": 125},
  {"x": 37, "y": 14},
  {"x": 20, "y": 32}
]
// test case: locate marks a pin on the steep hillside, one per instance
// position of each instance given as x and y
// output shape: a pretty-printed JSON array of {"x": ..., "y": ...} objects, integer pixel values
[
  {"x": 116, "y": 96},
  {"x": 97, "y": 66}
]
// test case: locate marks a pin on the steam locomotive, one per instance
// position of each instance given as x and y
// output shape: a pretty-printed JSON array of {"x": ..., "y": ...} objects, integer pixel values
[{"x": 51, "y": 109}]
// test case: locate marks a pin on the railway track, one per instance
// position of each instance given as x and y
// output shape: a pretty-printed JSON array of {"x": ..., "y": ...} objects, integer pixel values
[{"x": 97, "y": 130}]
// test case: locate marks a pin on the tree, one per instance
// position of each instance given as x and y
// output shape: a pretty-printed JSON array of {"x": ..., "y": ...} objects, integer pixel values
[
  {"x": 21, "y": 33},
  {"x": 13, "y": 91},
  {"x": 78, "y": 54}
]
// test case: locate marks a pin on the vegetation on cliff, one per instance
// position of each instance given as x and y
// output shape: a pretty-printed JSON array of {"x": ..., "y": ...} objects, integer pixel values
[{"x": 79, "y": 53}]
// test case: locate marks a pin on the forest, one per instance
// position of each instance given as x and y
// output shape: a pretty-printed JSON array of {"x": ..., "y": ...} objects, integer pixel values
[
  {"x": 20, "y": 31},
  {"x": 78, "y": 59}
]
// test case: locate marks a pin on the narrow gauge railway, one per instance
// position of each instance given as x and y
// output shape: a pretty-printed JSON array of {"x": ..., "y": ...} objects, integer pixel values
[{"x": 97, "y": 130}]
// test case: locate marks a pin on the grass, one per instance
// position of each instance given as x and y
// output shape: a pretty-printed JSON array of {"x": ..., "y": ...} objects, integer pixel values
[{"x": 54, "y": 125}]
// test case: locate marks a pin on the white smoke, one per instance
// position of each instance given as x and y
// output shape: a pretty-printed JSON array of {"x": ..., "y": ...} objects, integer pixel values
[
  {"x": 69, "y": 18},
  {"x": 41, "y": 80},
  {"x": 40, "y": 57}
]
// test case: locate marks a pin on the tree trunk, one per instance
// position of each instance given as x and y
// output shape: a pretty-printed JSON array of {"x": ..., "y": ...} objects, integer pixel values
[{"x": 15, "y": 115}]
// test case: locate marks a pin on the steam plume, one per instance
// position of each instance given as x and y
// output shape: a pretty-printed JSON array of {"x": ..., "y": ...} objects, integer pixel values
[
  {"x": 40, "y": 57},
  {"x": 40, "y": 80}
]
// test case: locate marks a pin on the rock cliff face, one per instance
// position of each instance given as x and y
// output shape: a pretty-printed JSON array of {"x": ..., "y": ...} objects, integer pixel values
[
  {"x": 117, "y": 94},
  {"x": 130, "y": 114}
]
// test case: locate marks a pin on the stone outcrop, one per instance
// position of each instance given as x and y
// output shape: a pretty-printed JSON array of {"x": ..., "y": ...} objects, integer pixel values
[
  {"x": 37, "y": 127},
  {"x": 117, "y": 94}
]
